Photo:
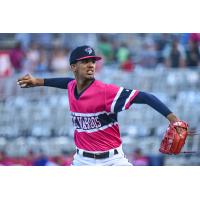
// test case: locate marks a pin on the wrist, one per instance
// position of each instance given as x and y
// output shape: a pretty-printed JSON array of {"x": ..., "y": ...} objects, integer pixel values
[
  {"x": 39, "y": 82},
  {"x": 172, "y": 118}
]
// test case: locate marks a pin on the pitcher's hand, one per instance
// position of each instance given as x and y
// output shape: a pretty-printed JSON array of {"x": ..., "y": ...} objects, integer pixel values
[{"x": 29, "y": 81}]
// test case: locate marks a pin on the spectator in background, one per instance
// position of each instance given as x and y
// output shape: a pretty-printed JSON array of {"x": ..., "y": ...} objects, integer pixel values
[
  {"x": 32, "y": 58},
  {"x": 128, "y": 65},
  {"x": 16, "y": 57},
  {"x": 43, "y": 160},
  {"x": 122, "y": 53},
  {"x": 28, "y": 161},
  {"x": 192, "y": 54},
  {"x": 148, "y": 55},
  {"x": 63, "y": 160},
  {"x": 42, "y": 65},
  {"x": 59, "y": 60},
  {"x": 184, "y": 38},
  {"x": 115, "y": 46},
  {"x": 24, "y": 39},
  {"x": 195, "y": 37},
  {"x": 105, "y": 49},
  {"x": 139, "y": 159},
  {"x": 160, "y": 43},
  {"x": 175, "y": 54},
  {"x": 4, "y": 159},
  {"x": 6, "y": 68}
]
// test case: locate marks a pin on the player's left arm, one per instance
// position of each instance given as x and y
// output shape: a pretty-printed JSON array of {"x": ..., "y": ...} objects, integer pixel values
[
  {"x": 119, "y": 99},
  {"x": 155, "y": 103},
  {"x": 177, "y": 131}
]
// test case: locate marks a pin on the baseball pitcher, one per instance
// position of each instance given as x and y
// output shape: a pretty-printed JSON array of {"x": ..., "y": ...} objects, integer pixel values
[{"x": 94, "y": 107}]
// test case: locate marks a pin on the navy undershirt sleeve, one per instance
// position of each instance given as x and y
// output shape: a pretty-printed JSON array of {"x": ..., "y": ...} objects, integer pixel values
[
  {"x": 151, "y": 100},
  {"x": 57, "y": 82}
]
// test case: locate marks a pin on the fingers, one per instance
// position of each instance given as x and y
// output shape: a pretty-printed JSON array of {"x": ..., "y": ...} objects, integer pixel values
[
  {"x": 23, "y": 83},
  {"x": 26, "y": 77},
  {"x": 24, "y": 86}
]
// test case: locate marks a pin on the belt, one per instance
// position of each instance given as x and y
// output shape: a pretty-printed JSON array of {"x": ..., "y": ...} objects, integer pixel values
[{"x": 97, "y": 155}]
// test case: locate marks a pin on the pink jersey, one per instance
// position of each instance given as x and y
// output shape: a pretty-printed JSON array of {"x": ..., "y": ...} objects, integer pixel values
[{"x": 94, "y": 114}]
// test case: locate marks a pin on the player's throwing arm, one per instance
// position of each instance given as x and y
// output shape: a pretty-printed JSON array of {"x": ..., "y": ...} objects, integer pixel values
[{"x": 29, "y": 81}]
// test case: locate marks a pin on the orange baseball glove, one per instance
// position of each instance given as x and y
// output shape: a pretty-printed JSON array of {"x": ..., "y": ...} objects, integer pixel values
[{"x": 174, "y": 138}]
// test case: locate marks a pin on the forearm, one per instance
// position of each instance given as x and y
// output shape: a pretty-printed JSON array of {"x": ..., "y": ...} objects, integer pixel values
[{"x": 57, "y": 82}]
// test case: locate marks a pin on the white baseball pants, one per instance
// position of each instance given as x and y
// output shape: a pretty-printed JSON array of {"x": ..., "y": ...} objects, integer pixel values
[{"x": 113, "y": 160}]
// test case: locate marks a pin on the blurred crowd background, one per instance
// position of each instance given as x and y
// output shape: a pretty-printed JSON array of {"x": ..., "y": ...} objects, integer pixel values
[
  {"x": 47, "y": 52},
  {"x": 35, "y": 124}
]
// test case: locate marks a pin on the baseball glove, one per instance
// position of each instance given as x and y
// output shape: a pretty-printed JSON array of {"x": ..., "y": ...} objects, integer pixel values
[{"x": 174, "y": 138}]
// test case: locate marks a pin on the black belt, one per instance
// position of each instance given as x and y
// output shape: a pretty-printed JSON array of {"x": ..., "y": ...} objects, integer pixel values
[{"x": 97, "y": 155}]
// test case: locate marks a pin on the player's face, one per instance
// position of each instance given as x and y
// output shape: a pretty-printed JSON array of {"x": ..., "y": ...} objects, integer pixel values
[{"x": 84, "y": 69}]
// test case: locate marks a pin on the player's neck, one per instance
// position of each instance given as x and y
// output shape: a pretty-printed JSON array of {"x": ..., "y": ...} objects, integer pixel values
[{"x": 82, "y": 84}]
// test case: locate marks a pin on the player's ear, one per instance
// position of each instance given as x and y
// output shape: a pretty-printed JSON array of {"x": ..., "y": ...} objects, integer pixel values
[{"x": 73, "y": 67}]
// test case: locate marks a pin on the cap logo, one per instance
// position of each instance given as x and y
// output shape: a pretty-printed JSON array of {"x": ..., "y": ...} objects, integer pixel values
[{"x": 88, "y": 50}]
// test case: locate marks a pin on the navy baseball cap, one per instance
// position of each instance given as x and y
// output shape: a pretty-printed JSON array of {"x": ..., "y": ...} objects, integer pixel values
[{"x": 81, "y": 53}]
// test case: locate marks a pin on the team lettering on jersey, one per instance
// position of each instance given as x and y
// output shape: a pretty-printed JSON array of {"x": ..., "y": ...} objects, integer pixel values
[
  {"x": 92, "y": 122},
  {"x": 86, "y": 123}
]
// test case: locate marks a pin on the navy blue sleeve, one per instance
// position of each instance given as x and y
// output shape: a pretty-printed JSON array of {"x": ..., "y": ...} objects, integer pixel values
[
  {"x": 57, "y": 82},
  {"x": 151, "y": 100}
]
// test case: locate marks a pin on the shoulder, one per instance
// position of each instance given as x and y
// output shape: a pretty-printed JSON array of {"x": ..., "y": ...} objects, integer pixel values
[
  {"x": 99, "y": 84},
  {"x": 72, "y": 83},
  {"x": 105, "y": 85}
]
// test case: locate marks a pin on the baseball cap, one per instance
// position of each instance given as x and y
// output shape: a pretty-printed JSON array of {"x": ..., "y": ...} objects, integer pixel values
[{"x": 81, "y": 53}]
